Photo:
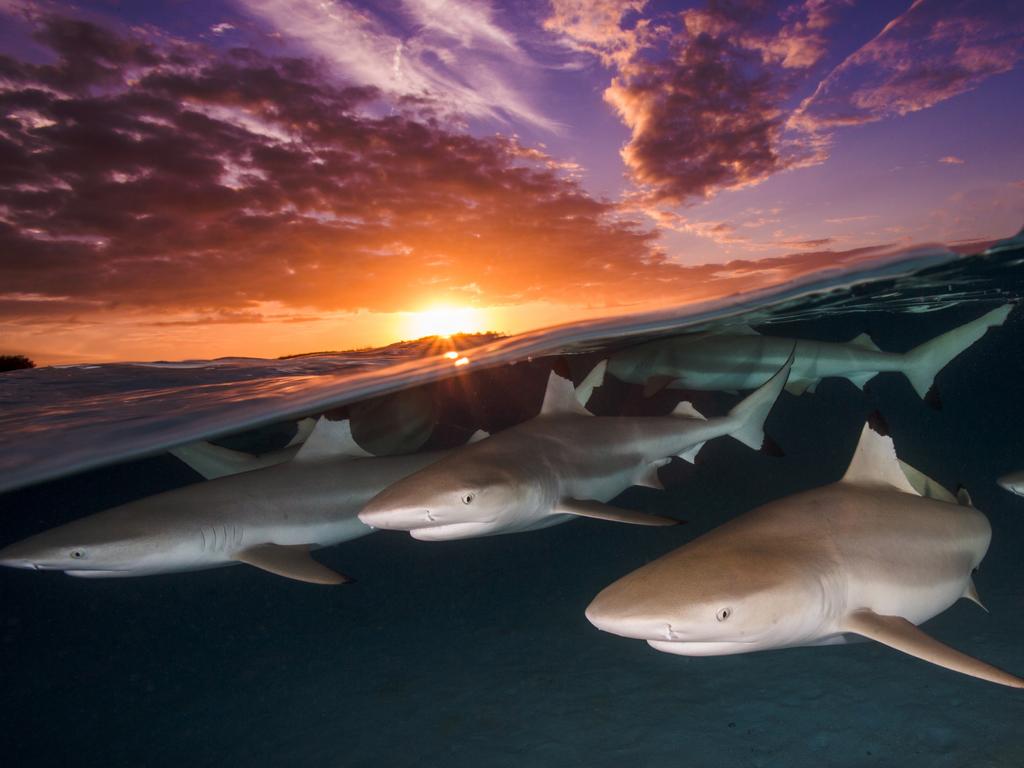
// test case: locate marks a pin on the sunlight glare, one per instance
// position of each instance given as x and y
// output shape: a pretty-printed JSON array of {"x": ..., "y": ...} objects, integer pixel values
[{"x": 443, "y": 321}]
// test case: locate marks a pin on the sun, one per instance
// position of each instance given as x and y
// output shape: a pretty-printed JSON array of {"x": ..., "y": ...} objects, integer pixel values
[{"x": 443, "y": 321}]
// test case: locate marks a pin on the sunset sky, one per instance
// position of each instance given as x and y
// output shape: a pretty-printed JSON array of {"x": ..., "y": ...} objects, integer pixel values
[{"x": 263, "y": 177}]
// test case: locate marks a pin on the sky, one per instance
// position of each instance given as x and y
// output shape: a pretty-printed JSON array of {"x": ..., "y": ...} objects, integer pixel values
[{"x": 265, "y": 177}]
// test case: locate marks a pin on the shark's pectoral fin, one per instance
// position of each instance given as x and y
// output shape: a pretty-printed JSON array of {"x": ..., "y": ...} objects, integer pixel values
[
  {"x": 599, "y": 511},
  {"x": 898, "y": 633},
  {"x": 290, "y": 561},
  {"x": 655, "y": 384}
]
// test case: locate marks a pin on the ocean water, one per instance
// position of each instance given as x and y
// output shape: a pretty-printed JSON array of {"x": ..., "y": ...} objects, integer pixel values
[{"x": 477, "y": 652}]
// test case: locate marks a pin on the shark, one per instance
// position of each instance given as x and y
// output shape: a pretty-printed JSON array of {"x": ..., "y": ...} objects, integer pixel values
[
  {"x": 869, "y": 557},
  {"x": 563, "y": 464},
  {"x": 1013, "y": 482},
  {"x": 270, "y": 517},
  {"x": 742, "y": 359}
]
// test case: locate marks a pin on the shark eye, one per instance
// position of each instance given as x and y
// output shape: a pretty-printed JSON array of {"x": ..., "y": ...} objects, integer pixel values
[
  {"x": 467, "y": 498},
  {"x": 723, "y": 614},
  {"x": 77, "y": 554}
]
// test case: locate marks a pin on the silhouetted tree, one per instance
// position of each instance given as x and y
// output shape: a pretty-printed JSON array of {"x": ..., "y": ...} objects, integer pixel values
[{"x": 15, "y": 363}]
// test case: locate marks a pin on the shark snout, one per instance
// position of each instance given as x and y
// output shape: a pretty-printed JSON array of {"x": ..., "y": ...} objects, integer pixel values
[
  {"x": 16, "y": 556},
  {"x": 14, "y": 562},
  {"x": 391, "y": 519},
  {"x": 632, "y": 623}
]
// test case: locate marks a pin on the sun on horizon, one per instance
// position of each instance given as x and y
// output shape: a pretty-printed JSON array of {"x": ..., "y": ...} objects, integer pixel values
[{"x": 443, "y": 321}]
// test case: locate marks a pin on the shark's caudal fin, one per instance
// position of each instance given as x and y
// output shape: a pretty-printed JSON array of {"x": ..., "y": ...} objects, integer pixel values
[
  {"x": 213, "y": 461},
  {"x": 924, "y": 362},
  {"x": 752, "y": 411},
  {"x": 898, "y": 633}
]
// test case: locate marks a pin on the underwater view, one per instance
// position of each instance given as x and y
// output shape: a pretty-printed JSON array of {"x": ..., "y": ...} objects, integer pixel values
[
  {"x": 866, "y": 435},
  {"x": 465, "y": 383}
]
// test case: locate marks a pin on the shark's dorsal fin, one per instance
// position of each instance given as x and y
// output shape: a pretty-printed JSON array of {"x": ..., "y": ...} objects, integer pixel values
[
  {"x": 290, "y": 561},
  {"x": 476, "y": 437},
  {"x": 685, "y": 408},
  {"x": 875, "y": 463},
  {"x": 331, "y": 439},
  {"x": 864, "y": 342},
  {"x": 593, "y": 380},
  {"x": 741, "y": 330},
  {"x": 925, "y": 486},
  {"x": 560, "y": 397}
]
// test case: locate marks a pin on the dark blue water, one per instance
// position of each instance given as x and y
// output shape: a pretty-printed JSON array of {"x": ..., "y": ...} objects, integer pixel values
[{"x": 477, "y": 652}]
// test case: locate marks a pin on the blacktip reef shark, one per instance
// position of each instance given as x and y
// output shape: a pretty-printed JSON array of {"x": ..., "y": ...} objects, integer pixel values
[
  {"x": 742, "y": 359},
  {"x": 871, "y": 556},
  {"x": 1013, "y": 482},
  {"x": 269, "y": 518},
  {"x": 562, "y": 464}
]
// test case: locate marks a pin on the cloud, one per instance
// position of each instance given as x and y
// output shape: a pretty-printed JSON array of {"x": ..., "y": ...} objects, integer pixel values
[
  {"x": 453, "y": 55},
  {"x": 704, "y": 99},
  {"x": 172, "y": 179},
  {"x": 596, "y": 27},
  {"x": 709, "y": 93},
  {"x": 700, "y": 121},
  {"x": 932, "y": 52},
  {"x": 153, "y": 185},
  {"x": 951, "y": 160},
  {"x": 815, "y": 243}
]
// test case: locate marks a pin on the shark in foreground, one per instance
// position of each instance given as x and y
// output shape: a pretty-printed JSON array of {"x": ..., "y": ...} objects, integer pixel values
[
  {"x": 1013, "y": 482},
  {"x": 873, "y": 555},
  {"x": 269, "y": 518},
  {"x": 562, "y": 464},
  {"x": 743, "y": 360}
]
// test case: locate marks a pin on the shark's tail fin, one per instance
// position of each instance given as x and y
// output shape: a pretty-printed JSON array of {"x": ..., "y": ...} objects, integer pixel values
[
  {"x": 750, "y": 414},
  {"x": 924, "y": 362}
]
